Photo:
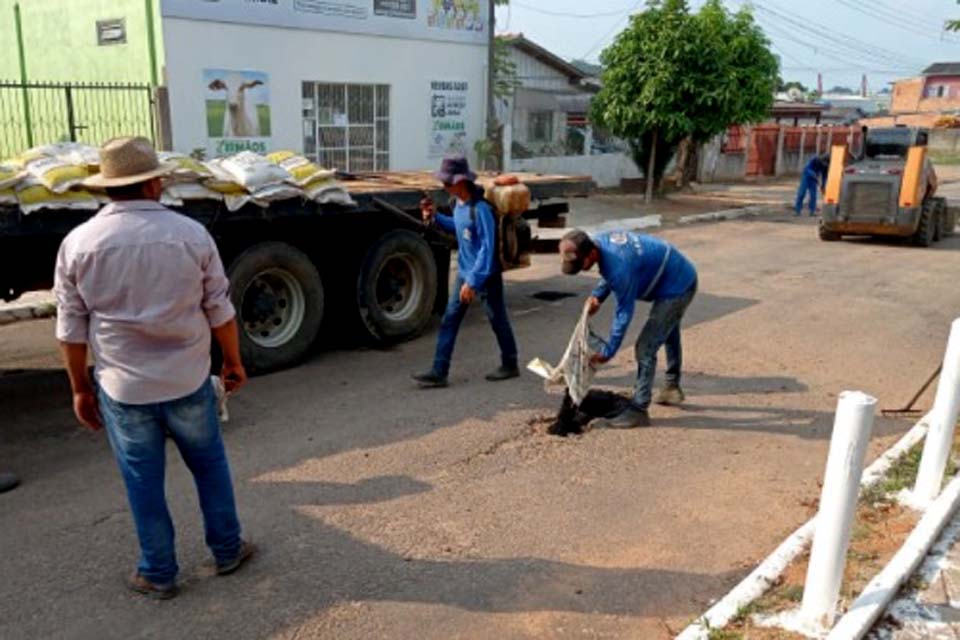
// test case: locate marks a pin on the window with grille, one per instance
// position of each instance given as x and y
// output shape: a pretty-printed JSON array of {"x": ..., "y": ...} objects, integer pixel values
[
  {"x": 541, "y": 126},
  {"x": 347, "y": 126}
]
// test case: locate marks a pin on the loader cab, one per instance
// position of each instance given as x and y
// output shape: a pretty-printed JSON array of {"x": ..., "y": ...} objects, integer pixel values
[{"x": 894, "y": 143}]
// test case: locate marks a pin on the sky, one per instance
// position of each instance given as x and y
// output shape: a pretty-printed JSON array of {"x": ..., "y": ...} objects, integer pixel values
[{"x": 842, "y": 39}]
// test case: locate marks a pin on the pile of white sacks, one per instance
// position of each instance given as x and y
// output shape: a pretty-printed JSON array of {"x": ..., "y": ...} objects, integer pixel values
[{"x": 51, "y": 177}]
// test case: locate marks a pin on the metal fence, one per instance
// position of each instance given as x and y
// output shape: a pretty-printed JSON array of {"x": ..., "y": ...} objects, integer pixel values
[{"x": 38, "y": 113}]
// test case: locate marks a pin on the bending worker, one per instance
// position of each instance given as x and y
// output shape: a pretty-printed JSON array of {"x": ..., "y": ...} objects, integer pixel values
[
  {"x": 638, "y": 267},
  {"x": 814, "y": 177}
]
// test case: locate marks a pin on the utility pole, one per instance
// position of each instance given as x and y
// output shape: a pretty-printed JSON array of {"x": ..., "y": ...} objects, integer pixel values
[
  {"x": 22, "y": 56},
  {"x": 491, "y": 74},
  {"x": 151, "y": 43}
]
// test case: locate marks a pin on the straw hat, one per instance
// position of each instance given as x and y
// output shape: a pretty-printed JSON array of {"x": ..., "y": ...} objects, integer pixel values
[{"x": 126, "y": 161}]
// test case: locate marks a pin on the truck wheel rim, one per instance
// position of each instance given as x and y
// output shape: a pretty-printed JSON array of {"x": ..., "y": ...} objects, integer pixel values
[
  {"x": 399, "y": 288},
  {"x": 273, "y": 307}
]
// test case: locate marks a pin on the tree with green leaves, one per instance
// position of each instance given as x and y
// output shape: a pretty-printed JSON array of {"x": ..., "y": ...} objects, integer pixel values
[{"x": 673, "y": 75}]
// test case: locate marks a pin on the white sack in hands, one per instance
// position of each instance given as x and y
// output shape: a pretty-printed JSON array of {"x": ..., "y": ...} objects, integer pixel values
[{"x": 574, "y": 367}]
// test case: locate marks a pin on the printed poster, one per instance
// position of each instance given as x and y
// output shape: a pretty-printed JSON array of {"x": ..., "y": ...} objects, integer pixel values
[
  {"x": 448, "y": 118},
  {"x": 237, "y": 110},
  {"x": 466, "y": 16},
  {"x": 463, "y": 21}
]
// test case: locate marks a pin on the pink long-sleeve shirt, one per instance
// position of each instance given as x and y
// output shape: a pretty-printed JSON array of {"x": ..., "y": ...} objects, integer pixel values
[{"x": 142, "y": 285}]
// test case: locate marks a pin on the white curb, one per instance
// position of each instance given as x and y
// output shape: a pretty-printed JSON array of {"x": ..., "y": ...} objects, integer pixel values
[
  {"x": 725, "y": 214},
  {"x": 10, "y": 314},
  {"x": 766, "y": 574}
]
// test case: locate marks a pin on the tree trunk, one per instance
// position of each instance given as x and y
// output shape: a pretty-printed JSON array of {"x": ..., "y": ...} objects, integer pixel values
[
  {"x": 648, "y": 198},
  {"x": 683, "y": 157}
]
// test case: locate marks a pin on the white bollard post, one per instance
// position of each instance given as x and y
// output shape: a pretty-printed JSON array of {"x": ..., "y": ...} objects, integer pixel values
[
  {"x": 943, "y": 420},
  {"x": 838, "y": 502}
]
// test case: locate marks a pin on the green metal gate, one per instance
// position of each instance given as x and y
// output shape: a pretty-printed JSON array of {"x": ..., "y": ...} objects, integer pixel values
[{"x": 36, "y": 113}]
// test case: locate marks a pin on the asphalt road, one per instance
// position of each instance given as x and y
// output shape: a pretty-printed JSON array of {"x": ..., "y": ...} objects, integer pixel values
[{"x": 388, "y": 512}]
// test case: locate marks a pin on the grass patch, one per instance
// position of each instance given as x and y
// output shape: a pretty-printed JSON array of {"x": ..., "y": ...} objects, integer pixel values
[
  {"x": 901, "y": 475},
  {"x": 944, "y": 157},
  {"x": 724, "y": 634}
]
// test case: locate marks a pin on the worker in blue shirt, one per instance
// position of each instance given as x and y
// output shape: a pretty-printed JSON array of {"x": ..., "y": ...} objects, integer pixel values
[
  {"x": 814, "y": 177},
  {"x": 638, "y": 267},
  {"x": 478, "y": 272}
]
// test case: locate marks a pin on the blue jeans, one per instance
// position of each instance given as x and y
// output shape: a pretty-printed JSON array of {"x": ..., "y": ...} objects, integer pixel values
[
  {"x": 661, "y": 329},
  {"x": 808, "y": 185},
  {"x": 137, "y": 434},
  {"x": 496, "y": 308}
]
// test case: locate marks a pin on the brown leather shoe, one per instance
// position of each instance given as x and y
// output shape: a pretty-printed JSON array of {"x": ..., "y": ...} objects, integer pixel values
[
  {"x": 671, "y": 395},
  {"x": 144, "y": 587},
  {"x": 247, "y": 549}
]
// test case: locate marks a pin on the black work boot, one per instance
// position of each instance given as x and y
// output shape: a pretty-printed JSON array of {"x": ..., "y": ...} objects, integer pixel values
[
  {"x": 504, "y": 372},
  {"x": 430, "y": 380},
  {"x": 629, "y": 418},
  {"x": 671, "y": 395}
]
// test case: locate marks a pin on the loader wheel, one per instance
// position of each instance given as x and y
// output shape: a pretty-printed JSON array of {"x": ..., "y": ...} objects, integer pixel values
[
  {"x": 948, "y": 218},
  {"x": 278, "y": 295},
  {"x": 826, "y": 235},
  {"x": 397, "y": 287},
  {"x": 926, "y": 229}
]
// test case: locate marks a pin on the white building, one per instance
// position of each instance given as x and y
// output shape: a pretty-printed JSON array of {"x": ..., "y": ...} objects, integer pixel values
[
  {"x": 547, "y": 120},
  {"x": 358, "y": 84}
]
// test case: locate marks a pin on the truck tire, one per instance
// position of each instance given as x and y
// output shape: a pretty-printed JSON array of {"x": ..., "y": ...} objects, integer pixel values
[
  {"x": 826, "y": 235},
  {"x": 278, "y": 295},
  {"x": 397, "y": 286},
  {"x": 926, "y": 229}
]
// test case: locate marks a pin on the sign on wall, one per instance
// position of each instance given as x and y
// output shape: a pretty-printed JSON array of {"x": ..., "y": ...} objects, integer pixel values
[
  {"x": 451, "y": 20},
  {"x": 237, "y": 110},
  {"x": 448, "y": 118}
]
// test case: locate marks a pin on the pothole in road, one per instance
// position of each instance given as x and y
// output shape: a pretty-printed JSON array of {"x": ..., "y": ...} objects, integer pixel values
[
  {"x": 553, "y": 296},
  {"x": 571, "y": 419}
]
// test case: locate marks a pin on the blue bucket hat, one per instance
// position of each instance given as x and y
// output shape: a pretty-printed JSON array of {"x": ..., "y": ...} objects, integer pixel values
[{"x": 455, "y": 169}]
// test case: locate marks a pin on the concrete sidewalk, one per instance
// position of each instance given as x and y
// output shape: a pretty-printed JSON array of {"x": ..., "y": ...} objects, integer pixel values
[{"x": 929, "y": 608}]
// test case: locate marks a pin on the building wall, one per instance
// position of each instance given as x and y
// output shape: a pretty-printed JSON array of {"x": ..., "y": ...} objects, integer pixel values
[
  {"x": 60, "y": 41},
  {"x": 292, "y": 56},
  {"x": 907, "y": 95},
  {"x": 949, "y": 84},
  {"x": 607, "y": 170}
]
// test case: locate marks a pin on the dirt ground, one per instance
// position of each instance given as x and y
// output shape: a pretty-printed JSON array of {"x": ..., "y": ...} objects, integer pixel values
[{"x": 388, "y": 512}]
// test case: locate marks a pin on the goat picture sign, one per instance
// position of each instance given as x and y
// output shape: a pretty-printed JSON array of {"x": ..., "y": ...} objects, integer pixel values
[{"x": 238, "y": 111}]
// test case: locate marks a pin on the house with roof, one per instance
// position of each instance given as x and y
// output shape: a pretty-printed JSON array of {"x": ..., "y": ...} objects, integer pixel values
[
  {"x": 920, "y": 101},
  {"x": 546, "y": 120}
]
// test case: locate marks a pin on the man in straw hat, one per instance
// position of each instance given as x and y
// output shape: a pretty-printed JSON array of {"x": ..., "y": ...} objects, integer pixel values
[
  {"x": 478, "y": 272},
  {"x": 144, "y": 287}
]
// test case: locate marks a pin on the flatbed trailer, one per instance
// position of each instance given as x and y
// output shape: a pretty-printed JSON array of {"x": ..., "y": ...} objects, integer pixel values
[{"x": 298, "y": 269}]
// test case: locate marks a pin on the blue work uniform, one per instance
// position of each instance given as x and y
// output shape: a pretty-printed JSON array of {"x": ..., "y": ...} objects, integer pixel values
[
  {"x": 814, "y": 177},
  {"x": 478, "y": 265},
  {"x": 635, "y": 267}
]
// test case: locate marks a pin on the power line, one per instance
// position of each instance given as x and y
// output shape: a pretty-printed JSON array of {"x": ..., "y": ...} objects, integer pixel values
[
  {"x": 826, "y": 51},
  {"x": 894, "y": 21},
  {"x": 615, "y": 28},
  {"x": 837, "y": 41},
  {"x": 923, "y": 23},
  {"x": 905, "y": 12},
  {"x": 567, "y": 14}
]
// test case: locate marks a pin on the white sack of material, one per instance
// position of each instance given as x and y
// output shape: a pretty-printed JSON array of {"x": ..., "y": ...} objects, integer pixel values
[
  {"x": 254, "y": 171},
  {"x": 574, "y": 368}
]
